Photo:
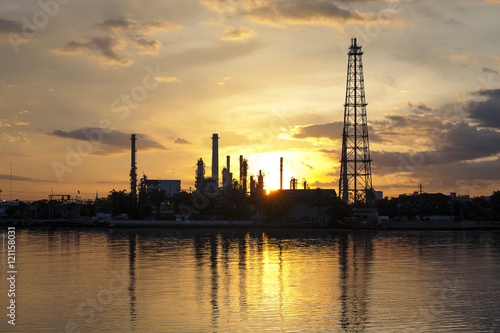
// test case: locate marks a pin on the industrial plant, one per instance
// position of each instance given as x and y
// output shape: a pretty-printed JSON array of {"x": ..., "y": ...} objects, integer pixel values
[
  {"x": 302, "y": 204},
  {"x": 230, "y": 197}
]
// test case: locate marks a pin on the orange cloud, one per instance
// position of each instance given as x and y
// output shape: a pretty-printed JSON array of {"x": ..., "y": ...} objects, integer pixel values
[{"x": 233, "y": 34}]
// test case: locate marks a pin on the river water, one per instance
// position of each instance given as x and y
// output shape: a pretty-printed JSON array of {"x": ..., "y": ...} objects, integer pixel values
[{"x": 237, "y": 281}]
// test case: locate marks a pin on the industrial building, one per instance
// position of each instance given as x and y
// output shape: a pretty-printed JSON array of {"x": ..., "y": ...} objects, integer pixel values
[{"x": 170, "y": 187}]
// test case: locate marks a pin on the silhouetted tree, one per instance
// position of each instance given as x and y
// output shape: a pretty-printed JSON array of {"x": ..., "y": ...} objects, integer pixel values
[
  {"x": 157, "y": 197},
  {"x": 120, "y": 202}
]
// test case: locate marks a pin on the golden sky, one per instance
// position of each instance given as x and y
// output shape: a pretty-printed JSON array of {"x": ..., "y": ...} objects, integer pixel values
[{"x": 79, "y": 76}]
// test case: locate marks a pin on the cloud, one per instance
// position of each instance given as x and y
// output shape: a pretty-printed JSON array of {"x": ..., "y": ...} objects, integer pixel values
[
  {"x": 431, "y": 13},
  {"x": 7, "y": 26},
  {"x": 486, "y": 112},
  {"x": 233, "y": 34},
  {"x": 104, "y": 46},
  {"x": 464, "y": 57},
  {"x": 17, "y": 120},
  {"x": 311, "y": 12},
  {"x": 170, "y": 79},
  {"x": 332, "y": 131},
  {"x": 147, "y": 46},
  {"x": 112, "y": 142},
  {"x": 430, "y": 144},
  {"x": 23, "y": 178},
  {"x": 307, "y": 165},
  {"x": 181, "y": 141},
  {"x": 19, "y": 137},
  {"x": 122, "y": 33},
  {"x": 489, "y": 70},
  {"x": 120, "y": 23},
  {"x": 117, "y": 23}
]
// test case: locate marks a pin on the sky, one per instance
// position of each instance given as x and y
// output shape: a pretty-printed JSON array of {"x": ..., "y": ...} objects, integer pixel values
[{"x": 78, "y": 77}]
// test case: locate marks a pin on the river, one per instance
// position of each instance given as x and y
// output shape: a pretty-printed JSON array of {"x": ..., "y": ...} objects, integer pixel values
[{"x": 165, "y": 280}]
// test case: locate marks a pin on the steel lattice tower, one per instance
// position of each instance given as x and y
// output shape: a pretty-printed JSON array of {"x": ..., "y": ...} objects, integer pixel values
[{"x": 355, "y": 165}]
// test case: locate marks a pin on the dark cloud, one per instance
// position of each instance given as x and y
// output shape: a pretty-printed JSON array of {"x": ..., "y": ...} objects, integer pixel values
[
  {"x": 139, "y": 28},
  {"x": 455, "y": 144},
  {"x": 103, "y": 45},
  {"x": 122, "y": 33},
  {"x": 419, "y": 108},
  {"x": 332, "y": 131},
  {"x": 109, "y": 142},
  {"x": 486, "y": 112},
  {"x": 489, "y": 70},
  {"x": 7, "y": 26},
  {"x": 23, "y": 178},
  {"x": 148, "y": 46},
  {"x": 181, "y": 141},
  {"x": 117, "y": 23},
  {"x": 312, "y": 12}
]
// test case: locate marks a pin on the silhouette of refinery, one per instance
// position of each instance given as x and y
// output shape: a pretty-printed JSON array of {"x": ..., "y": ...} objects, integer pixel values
[
  {"x": 355, "y": 175},
  {"x": 239, "y": 198},
  {"x": 218, "y": 200}
]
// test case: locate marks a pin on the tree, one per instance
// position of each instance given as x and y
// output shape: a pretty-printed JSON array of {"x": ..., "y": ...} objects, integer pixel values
[
  {"x": 157, "y": 197},
  {"x": 120, "y": 202},
  {"x": 495, "y": 201}
]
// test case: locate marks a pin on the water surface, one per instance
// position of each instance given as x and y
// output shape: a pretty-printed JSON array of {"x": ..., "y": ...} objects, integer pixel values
[{"x": 237, "y": 281}]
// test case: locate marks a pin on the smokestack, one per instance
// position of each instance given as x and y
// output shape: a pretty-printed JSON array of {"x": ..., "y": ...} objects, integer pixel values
[
  {"x": 215, "y": 158},
  {"x": 241, "y": 171},
  {"x": 228, "y": 162},
  {"x": 133, "y": 168},
  {"x": 281, "y": 173}
]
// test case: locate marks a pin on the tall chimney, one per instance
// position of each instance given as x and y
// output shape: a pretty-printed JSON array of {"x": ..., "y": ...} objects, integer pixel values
[
  {"x": 281, "y": 173},
  {"x": 241, "y": 171},
  {"x": 133, "y": 168},
  {"x": 215, "y": 158},
  {"x": 228, "y": 163}
]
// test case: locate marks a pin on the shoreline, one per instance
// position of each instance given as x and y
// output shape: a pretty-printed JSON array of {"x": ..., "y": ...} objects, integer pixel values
[{"x": 223, "y": 224}]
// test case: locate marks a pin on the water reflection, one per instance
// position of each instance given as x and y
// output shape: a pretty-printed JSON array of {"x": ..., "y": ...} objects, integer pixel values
[
  {"x": 354, "y": 263},
  {"x": 199, "y": 281},
  {"x": 131, "y": 271},
  {"x": 214, "y": 302}
]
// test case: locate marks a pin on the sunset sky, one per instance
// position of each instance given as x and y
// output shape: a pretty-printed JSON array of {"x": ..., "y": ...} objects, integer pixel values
[{"x": 77, "y": 77}]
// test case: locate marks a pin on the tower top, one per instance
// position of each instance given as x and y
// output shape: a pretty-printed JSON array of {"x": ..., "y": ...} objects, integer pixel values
[{"x": 355, "y": 48}]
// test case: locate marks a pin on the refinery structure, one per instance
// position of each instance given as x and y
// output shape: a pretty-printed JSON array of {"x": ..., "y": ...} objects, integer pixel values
[
  {"x": 355, "y": 181},
  {"x": 232, "y": 196},
  {"x": 233, "y": 193},
  {"x": 355, "y": 165}
]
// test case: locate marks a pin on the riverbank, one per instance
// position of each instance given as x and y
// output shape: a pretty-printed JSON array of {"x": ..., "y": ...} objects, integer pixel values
[
  {"x": 405, "y": 225},
  {"x": 443, "y": 225}
]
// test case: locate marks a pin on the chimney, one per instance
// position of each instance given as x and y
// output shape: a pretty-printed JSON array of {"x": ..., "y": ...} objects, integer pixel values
[
  {"x": 133, "y": 168},
  {"x": 215, "y": 158},
  {"x": 281, "y": 173}
]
